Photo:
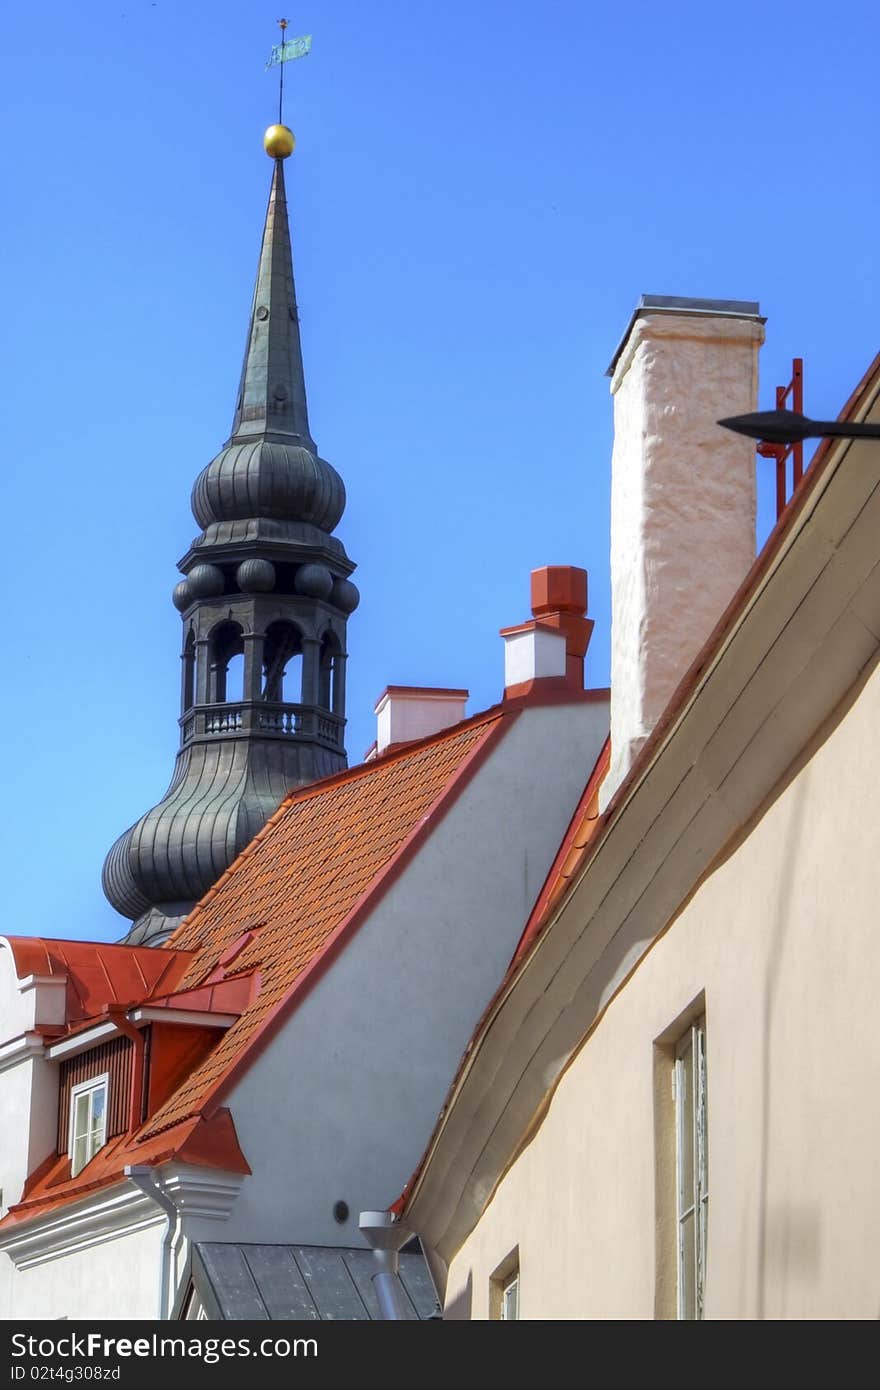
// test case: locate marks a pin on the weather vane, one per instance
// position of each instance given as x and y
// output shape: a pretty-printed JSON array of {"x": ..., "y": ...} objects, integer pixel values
[{"x": 282, "y": 53}]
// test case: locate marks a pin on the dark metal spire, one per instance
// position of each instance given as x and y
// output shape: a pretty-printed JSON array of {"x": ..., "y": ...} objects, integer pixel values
[
  {"x": 272, "y": 392},
  {"x": 264, "y": 602}
]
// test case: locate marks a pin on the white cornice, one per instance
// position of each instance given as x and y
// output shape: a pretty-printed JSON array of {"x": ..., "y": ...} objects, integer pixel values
[
  {"x": 198, "y": 1018},
  {"x": 119, "y": 1211},
  {"x": 20, "y": 1049},
  {"x": 81, "y": 1042},
  {"x": 101, "y": 1216},
  {"x": 200, "y": 1191},
  {"x": 42, "y": 982}
]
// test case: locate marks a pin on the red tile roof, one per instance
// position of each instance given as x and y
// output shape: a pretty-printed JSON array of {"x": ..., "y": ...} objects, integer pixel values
[
  {"x": 263, "y": 934},
  {"x": 308, "y": 877}
]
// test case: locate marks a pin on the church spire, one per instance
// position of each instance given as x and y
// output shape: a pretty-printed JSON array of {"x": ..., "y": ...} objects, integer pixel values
[
  {"x": 272, "y": 394},
  {"x": 264, "y": 601}
]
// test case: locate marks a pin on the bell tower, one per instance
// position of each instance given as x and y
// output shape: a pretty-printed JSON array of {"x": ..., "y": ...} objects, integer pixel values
[{"x": 264, "y": 602}]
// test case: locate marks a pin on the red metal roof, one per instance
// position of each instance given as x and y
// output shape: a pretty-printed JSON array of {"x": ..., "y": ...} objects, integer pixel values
[
  {"x": 204, "y": 1143},
  {"x": 98, "y": 975}
]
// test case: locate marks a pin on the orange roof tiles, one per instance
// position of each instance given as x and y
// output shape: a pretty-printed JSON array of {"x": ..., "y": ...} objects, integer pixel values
[
  {"x": 262, "y": 934},
  {"x": 320, "y": 859}
]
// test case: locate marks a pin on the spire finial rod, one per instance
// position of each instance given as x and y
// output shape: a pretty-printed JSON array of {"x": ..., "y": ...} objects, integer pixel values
[
  {"x": 278, "y": 140},
  {"x": 282, "y": 25}
]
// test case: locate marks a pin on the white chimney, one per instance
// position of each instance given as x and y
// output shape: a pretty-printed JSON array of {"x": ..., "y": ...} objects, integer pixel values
[
  {"x": 682, "y": 499},
  {"x": 532, "y": 651},
  {"x": 407, "y": 712}
]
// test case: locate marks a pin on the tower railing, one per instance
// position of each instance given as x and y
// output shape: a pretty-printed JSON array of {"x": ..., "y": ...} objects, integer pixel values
[{"x": 265, "y": 718}]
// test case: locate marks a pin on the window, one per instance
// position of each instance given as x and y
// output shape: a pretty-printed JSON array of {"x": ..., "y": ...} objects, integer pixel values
[
  {"x": 88, "y": 1122},
  {"x": 504, "y": 1289},
  {"x": 692, "y": 1177},
  {"x": 510, "y": 1298}
]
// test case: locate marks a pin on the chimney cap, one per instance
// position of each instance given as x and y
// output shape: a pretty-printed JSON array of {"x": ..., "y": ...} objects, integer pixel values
[
  {"x": 559, "y": 589},
  {"x": 419, "y": 692},
  {"x": 698, "y": 308}
]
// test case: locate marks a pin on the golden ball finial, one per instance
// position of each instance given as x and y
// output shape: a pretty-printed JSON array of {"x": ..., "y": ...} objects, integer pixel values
[{"x": 279, "y": 141}]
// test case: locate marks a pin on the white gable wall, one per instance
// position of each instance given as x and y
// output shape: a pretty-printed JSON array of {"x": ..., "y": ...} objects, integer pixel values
[
  {"x": 28, "y": 1084},
  {"x": 342, "y": 1102}
]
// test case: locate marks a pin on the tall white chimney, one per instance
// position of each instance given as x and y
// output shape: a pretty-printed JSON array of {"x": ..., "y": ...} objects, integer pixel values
[{"x": 682, "y": 498}]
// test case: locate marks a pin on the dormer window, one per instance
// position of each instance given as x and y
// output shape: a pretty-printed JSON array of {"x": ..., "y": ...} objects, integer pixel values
[{"x": 88, "y": 1121}]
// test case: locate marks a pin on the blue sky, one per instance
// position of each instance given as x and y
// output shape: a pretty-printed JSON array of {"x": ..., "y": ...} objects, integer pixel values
[{"x": 479, "y": 195}]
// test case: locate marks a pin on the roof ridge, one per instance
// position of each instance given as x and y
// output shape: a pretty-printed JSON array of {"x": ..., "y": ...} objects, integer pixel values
[
  {"x": 400, "y": 750},
  {"x": 81, "y": 941}
]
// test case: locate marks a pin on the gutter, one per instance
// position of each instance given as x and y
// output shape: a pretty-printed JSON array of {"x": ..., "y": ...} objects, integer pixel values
[
  {"x": 385, "y": 1234},
  {"x": 144, "y": 1178}
]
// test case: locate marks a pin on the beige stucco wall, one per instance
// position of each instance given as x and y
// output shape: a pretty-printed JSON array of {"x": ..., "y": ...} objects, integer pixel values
[{"x": 783, "y": 941}]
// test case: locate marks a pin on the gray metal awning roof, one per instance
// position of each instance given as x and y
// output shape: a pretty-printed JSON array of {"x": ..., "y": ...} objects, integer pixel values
[{"x": 300, "y": 1282}]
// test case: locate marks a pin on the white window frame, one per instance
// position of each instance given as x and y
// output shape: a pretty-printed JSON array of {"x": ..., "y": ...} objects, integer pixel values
[
  {"x": 504, "y": 1288},
  {"x": 691, "y": 1169},
  {"x": 509, "y": 1310},
  {"x": 90, "y": 1087}
]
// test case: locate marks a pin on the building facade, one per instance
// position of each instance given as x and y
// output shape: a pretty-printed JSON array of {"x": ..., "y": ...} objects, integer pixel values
[{"x": 679, "y": 1128}]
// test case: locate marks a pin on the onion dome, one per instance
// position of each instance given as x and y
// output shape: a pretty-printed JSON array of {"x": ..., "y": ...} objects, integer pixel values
[{"x": 263, "y": 478}]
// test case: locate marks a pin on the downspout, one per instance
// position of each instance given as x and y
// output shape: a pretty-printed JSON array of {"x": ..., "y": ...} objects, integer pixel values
[
  {"x": 144, "y": 1177},
  {"x": 386, "y": 1235}
]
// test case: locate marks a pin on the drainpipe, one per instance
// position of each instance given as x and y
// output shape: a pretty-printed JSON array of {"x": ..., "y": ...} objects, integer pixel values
[
  {"x": 144, "y": 1177},
  {"x": 386, "y": 1235}
]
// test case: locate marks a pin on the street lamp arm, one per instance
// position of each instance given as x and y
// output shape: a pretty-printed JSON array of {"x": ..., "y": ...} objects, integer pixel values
[{"x": 787, "y": 427}]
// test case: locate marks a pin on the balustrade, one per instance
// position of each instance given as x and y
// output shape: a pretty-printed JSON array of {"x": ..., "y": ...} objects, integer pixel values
[{"x": 262, "y": 717}]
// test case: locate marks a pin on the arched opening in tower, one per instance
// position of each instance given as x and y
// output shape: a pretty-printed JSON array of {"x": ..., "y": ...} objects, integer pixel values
[
  {"x": 226, "y": 670},
  {"x": 282, "y": 664}
]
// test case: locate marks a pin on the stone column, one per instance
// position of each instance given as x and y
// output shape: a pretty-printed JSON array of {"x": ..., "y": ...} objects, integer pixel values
[
  {"x": 253, "y": 666},
  {"x": 202, "y": 672},
  {"x": 311, "y": 670},
  {"x": 339, "y": 661}
]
